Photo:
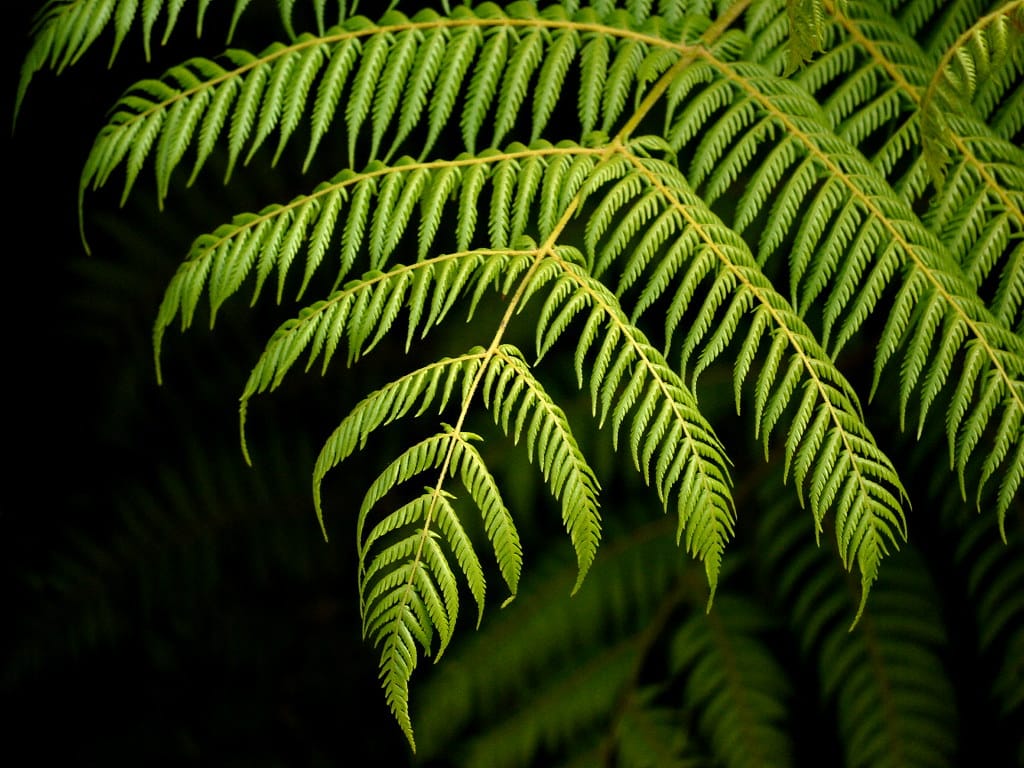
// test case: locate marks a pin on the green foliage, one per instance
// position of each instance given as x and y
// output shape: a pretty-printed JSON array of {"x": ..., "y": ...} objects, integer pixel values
[{"x": 805, "y": 205}]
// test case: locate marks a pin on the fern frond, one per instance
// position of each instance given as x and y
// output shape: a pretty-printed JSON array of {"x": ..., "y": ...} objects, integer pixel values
[
  {"x": 733, "y": 683},
  {"x": 979, "y": 204},
  {"x": 901, "y": 59},
  {"x": 993, "y": 569},
  {"x": 884, "y": 676},
  {"x": 408, "y": 588},
  {"x": 875, "y": 236},
  {"x": 379, "y": 205},
  {"x": 977, "y": 213},
  {"x": 936, "y": 23},
  {"x": 969, "y": 62},
  {"x": 782, "y": 224},
  {"x": 383, "y": 72},
  {"x": 98, "y": 589},
  {"x": 829, "y": 447},
  {"x": 667, "y": 433}
]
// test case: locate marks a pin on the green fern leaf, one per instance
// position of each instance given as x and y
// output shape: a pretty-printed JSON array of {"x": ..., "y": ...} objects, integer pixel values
[
  {"x": 425, "y": 70},
  {"x": 64, "y": 30},
  {"x": 563, "y": 51},
  {"x": 392, "y": 79},
  {"x": 483, "y": 84},
  {"x": 832, "y": 451},
  {"x": 667, "y": 428},
  {"x": 522, "y": 63},
  {"x": 549, "y": 437}
]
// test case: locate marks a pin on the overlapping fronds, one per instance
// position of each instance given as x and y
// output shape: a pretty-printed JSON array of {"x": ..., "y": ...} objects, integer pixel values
[
  {"x": 894, "y": 704},
  {"x": 389, "y": 76},
  {"x": 734, "y": 684},
  {"x": 373, "y": 210},
  {"x": 849, "y": 242},
  {"x": 829, "y": 447},
  {"x": 977, "y": 217},
  {"x": 979, "y": 205}
]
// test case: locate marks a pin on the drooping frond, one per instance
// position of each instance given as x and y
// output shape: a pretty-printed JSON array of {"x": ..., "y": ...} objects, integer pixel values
[
  {"x": 408, "y": 588},
  {"x": 829, "y": 447},
  {"x": 630, "y": 379},
  {"x": 978, "y": 215},
  {"x": 520, "y": 406},
  {"x": 734, "y": 684},
  {"x": 894, "y": 706}
]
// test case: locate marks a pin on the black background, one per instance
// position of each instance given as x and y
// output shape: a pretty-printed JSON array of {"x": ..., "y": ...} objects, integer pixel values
[{"x": 229, "y": 634}]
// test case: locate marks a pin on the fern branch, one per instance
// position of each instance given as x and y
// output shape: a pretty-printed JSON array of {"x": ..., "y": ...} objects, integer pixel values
[
  {"x": 258, "y": 94},
  {"x": 887, "y": 224},
  {"x": 219, "y": 262},
  {"x": 667, "y": 433},
  {"x": 829, "y": 446},
  {"x": 894, "y": 706},
  {"x": 734, "y": 683},
  {"x": 400, "y": 599},
  {"x": 408, "y": 589}
]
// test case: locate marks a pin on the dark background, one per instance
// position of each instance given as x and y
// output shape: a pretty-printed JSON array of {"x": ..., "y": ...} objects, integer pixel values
[{"x": 164, "y": 603}]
